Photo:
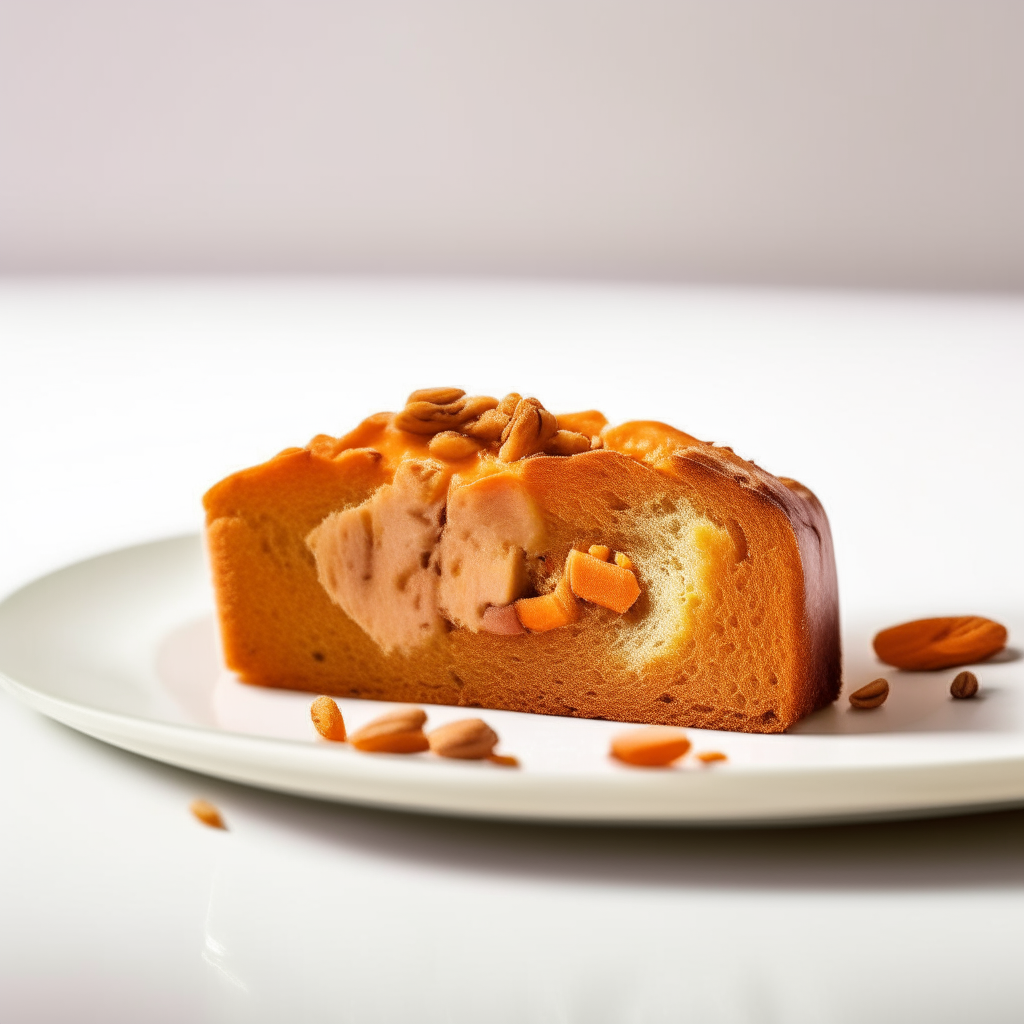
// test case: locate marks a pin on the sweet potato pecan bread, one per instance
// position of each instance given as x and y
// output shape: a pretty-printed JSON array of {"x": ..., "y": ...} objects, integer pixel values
[{"x": 487, "y": 553}]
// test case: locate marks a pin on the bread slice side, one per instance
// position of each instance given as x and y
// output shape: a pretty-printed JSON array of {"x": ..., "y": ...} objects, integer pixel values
[{"x": 736, "y": 626}]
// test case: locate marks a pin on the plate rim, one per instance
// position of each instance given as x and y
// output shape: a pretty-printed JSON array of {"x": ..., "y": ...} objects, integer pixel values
[{"x": 461, "y": 790}]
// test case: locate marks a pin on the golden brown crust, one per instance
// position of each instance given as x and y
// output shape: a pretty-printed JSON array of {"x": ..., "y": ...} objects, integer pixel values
[{"x": 759, "y": 644}]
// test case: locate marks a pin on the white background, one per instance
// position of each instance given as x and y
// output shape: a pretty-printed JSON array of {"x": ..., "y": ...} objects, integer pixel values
[
  {"x": 799, "y": 141},
  {"x": 122, "y": 402}
]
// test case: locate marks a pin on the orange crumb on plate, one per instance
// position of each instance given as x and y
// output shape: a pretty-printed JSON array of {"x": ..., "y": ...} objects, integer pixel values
[
  {"x": 505, "y": 760},
  {"x": 710, "y": 756}
]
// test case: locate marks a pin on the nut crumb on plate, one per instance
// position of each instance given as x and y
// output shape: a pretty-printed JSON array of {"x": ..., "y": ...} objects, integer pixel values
[
  {"x": 711, "y": 756},
  {"x": 964, "y": 686},
  {"x": 327, "y": 719},
  {"x": 504, "y": 760},
  {"x": 207, "y": 814}
]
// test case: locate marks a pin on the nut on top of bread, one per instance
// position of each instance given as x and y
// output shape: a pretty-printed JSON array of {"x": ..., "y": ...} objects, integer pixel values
[{"x": 487, "y": 553}]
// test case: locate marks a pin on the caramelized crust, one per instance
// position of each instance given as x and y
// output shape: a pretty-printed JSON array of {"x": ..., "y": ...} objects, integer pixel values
[{"x": 736, "y": 626}]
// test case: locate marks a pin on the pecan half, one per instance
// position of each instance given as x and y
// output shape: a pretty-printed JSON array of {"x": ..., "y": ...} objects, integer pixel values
[
  {"x": 527, "y": 432},
  {"x": 427, "y": 416},
  {"x": 436, "y": 396},
  {"x": 926, "y": 644}
]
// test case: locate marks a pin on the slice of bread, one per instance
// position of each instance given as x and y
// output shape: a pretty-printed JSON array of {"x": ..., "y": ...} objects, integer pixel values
[{"x": 485, "y": 554}]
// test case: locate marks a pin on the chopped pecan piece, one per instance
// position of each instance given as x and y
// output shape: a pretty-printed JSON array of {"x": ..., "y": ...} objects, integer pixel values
[
  {"x": 527, "y": 432},
  {"x": 567, "y": 442}
]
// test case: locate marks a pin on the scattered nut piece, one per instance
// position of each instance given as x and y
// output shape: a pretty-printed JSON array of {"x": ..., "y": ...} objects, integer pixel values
[
  {"x": 964, "y": 686},
  {"x": 710, "y": 756},
  {"x": 610, "y": 586},
  {"x": 327, "y": 718},
  {"x": 926, "y": 644},
  {"x": 601, "y": 551},
  {"x": 501, "y": 619},
  {"x": 623, "y": 561},
  {"x": 654, "y": 746},
  {"x": 504, "y": 760},
  {"x": 567, "y": 442},
  {"x": 470, "y": 739},
  {"x": 870, "y": 696},
  {"x": 451, "y": 446},
  {"x": 207, "y": 814},
  {"x": 398, "y": 732}
]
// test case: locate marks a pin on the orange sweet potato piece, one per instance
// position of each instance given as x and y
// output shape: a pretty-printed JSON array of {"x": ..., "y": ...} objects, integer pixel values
[
  {"x": 549, "y": 611},
  {"x": 604, "y": 583}
]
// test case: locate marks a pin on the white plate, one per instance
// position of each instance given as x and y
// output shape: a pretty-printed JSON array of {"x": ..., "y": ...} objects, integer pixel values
[{"x": 123, "y": 648}]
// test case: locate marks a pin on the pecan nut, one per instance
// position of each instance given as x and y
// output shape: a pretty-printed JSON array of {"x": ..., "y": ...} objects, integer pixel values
[{"x": 926, "y": 644}]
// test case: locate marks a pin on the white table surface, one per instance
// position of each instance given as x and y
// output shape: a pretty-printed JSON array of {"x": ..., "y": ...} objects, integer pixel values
[{"x": 120, "y": 402}]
